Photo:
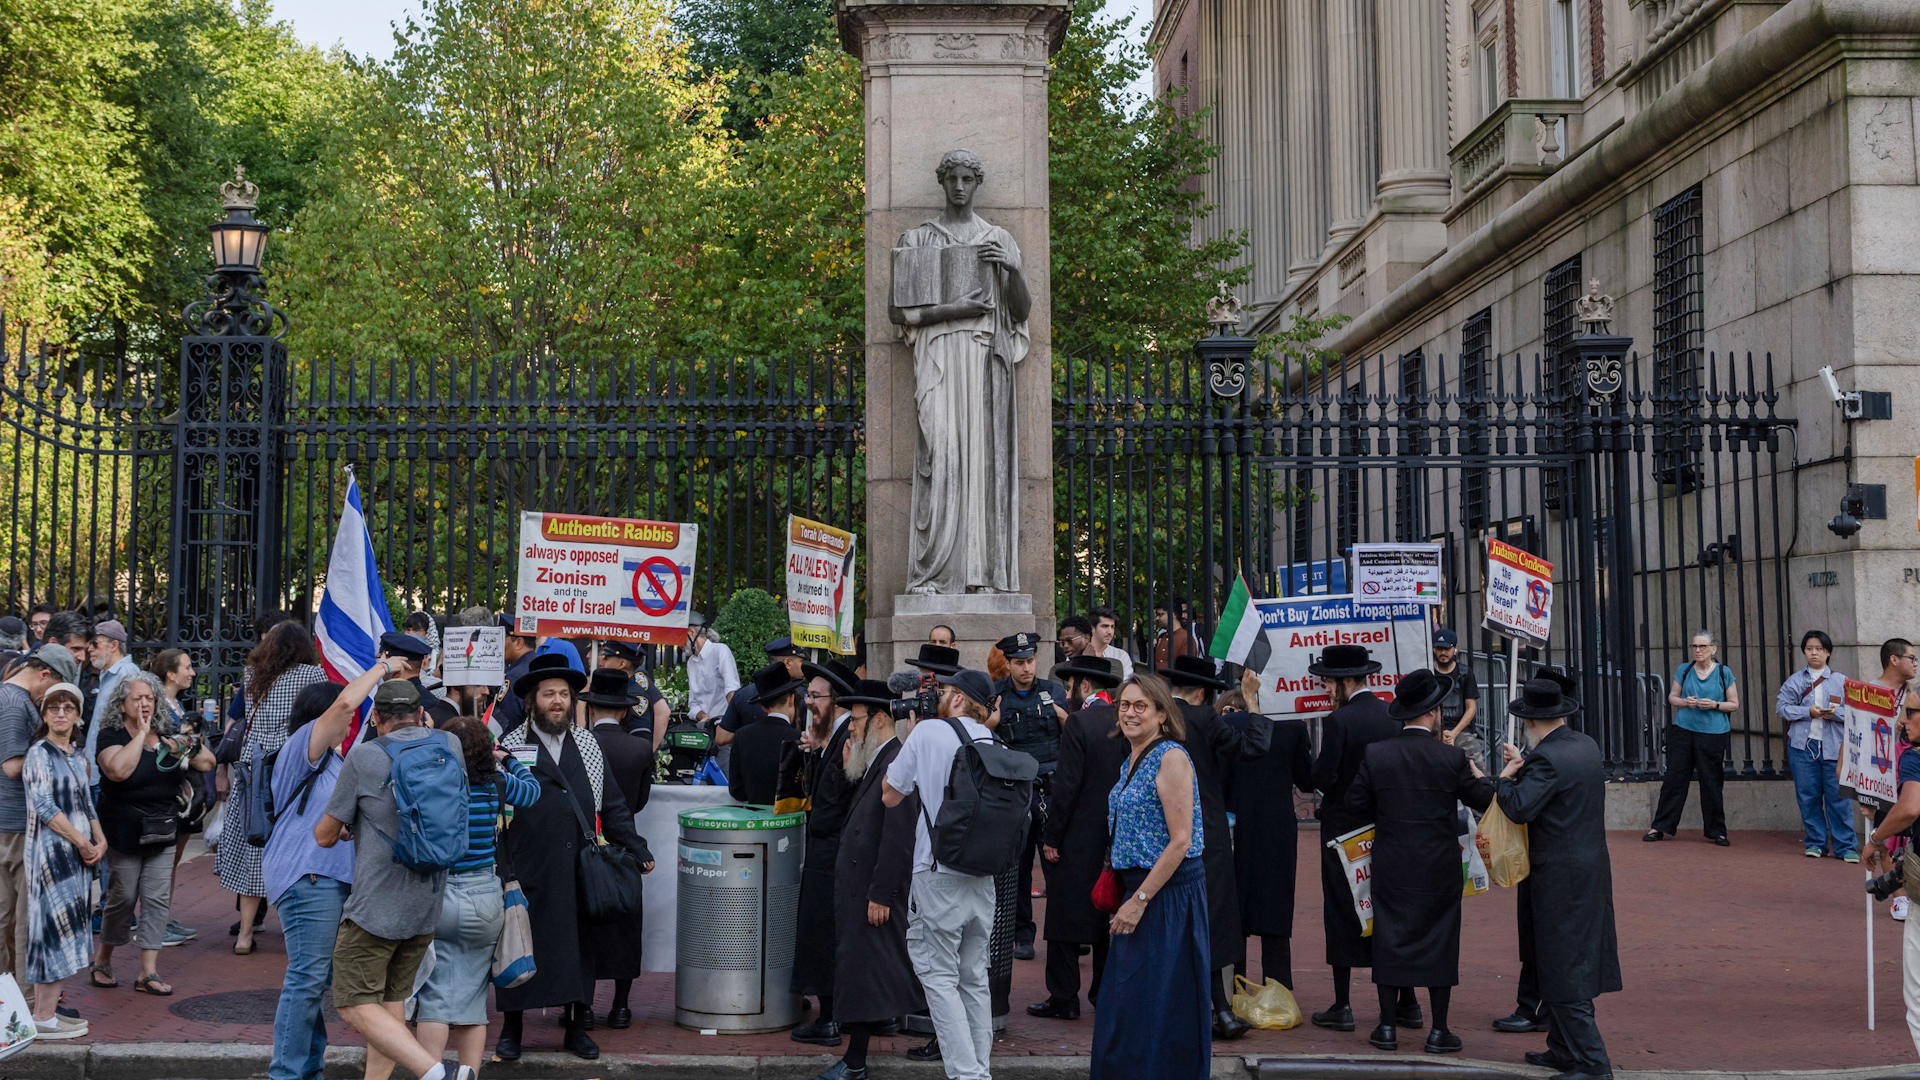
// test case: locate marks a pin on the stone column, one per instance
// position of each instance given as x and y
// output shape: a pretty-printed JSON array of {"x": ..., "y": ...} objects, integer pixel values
[
  {"x": 1351, "y": 104},
  {"x": 1413, "y": 103},
  {"x": 936, "y": 77},
  {"x": 1306, "y": 138}
]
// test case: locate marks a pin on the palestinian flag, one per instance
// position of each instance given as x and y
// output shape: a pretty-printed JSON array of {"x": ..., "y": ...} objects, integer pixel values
[{"x": 1241, "y": 638}]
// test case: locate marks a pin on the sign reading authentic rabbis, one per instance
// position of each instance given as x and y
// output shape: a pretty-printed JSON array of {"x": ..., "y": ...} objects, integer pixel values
[{"x": 621, "y": 579}]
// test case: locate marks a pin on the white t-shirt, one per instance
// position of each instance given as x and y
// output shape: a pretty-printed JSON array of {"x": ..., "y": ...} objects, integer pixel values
[
  {"x": 923, "y": 765},
  {"x": 1115, "y": 652},
  {"x": 711, "y": 676}
]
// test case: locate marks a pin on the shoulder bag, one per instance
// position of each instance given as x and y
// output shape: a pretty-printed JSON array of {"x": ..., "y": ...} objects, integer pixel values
[
  {"x": 234, "y": 740},
  {"x": 608, "y": 876},
  {"x": 513, "y": 950}
]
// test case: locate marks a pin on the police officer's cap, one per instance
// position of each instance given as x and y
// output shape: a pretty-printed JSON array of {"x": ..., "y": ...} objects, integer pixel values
[
  {"x": 781, "y": 646},
  {"x": 1018, "y": 646},
  {"x": 395, "y": 643}
]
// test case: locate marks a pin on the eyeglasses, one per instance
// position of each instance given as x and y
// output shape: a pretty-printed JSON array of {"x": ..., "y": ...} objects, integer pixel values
[
  {"x": 1133, "y": 706},
  {"x": 1702, "y": 645},
  {"x": 60, "y": 710},
  {"x": 814, "y": 695}
]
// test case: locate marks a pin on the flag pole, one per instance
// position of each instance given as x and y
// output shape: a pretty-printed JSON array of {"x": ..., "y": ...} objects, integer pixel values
[
  {"x": 1859, "y": 818},
  {"x": 1513, "y": 686}
]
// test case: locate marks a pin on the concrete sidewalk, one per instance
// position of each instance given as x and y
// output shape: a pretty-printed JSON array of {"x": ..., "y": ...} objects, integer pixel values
[{"x": 1744, "y": 960}]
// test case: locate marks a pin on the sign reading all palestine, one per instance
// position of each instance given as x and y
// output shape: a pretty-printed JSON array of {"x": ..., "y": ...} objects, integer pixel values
[{"x": 619, "y": 579}]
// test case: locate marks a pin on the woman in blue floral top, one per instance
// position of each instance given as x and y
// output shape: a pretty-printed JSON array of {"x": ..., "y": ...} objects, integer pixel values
[{"x": 1154, "y": 1017}]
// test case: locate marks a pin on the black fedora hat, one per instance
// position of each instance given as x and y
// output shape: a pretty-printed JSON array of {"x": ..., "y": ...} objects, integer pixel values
[
  {"x": 1418, "y": 693},
  {"x": 1101, "y": 670},
  {"x": 608, "y": 689},
  {"x": 550, "y": 666},
  {"x": 1194, "y": 671},
  {"x": 837, "y": 674},
  {"x": 1344, "y": 662},
  {"x": 870, "y": 692},
  {"x": 1544, "y": 698},
  {"x": 938, "y": 659},
  {"x": 771, "y": 683}
]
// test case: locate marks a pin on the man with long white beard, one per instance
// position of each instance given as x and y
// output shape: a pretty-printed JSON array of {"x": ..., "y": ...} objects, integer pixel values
[
  {"x": 873, "y": 976},
  {"x": 543, "y": 844}
]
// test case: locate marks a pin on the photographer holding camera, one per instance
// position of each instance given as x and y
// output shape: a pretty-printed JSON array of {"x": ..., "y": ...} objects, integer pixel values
[{"x": 1898, "y": 822}]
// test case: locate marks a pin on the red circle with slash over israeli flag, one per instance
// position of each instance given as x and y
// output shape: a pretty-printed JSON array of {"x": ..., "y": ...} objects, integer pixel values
[{"x": 651, "y": 570}]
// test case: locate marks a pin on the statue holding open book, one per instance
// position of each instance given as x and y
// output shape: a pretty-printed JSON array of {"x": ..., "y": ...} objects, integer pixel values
[{"x": 961, "y": 298}]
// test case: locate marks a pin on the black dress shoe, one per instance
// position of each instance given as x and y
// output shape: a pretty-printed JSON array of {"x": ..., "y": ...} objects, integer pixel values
[
  {"x": 1720, "y": 841},
  {"x": 1338, "y": 1018},
  {"x": 1384, "y": 1038},
  {"x": 929, "y": 1052},
  {"x": 1055, "y": 1010},
  {"x": 1519, "y": 1023},
  {"x": 1410, "y": 1016},
  {"x": 819, "y": 1033},
  {"x": 579, "y": 1045},
  {"x": 887, "y": 1030},
  {"x": 508, "y": 1048},
  {"x": 840, "y": 1071},
  {"x": 1023, "y": 952},
  {"x": 1228, "y": 1027},
  {"x": 1546, "y": 1060},
  {"x": 621, "y": 1017},
  {"x": 1442, "y": 1042},
  {"x": 1575, "y": 1074}
]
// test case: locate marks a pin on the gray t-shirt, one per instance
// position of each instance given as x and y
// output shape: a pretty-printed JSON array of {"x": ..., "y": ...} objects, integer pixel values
[
  {"x": 18, "y": 718},
  {"x": 388, "y": 900}
]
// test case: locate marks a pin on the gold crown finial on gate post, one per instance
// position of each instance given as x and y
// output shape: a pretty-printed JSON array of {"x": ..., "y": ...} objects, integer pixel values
[
  {"x": 239, "y": 193},
  {"x": 1223, "y": 310},
  {"x": 1595, "y": 309}
]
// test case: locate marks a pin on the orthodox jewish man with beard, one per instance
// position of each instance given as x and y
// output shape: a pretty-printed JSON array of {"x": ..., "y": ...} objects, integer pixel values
[
  {"x": 544, "y": 843},
  {"x": 873, "y": 976},
  {"x": 1558, "y": 791},
  {"x": 1211, "y": 742},
  {"x": 760, "y": 745},
  {"x": 1409, "y": 787},
  {"x": 829, "y": 793}
]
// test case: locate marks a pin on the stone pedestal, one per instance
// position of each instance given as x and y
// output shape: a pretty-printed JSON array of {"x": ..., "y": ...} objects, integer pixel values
[{"x": 936, "y": 77}]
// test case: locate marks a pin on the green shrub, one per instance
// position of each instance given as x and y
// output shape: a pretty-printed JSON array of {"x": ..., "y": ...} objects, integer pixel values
[{"x": 750, "y": 619}]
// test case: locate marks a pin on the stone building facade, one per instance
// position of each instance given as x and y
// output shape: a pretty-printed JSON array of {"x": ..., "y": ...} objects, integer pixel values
[{"x": 1741, "y": 175}]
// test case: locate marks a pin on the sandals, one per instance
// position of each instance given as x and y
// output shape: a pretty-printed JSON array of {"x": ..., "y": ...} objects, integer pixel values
[
  {"x": 103, "y": 969},
  {"x": 151, "y": 983},
  {"x": 244, "y": 950}
]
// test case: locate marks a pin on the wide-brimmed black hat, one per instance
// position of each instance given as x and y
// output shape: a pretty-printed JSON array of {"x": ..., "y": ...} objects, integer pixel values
[
  {"x": 837, "y": 674},
  {"x": 550, "y": 666},
  {"x": 771, "y": 683},
  {"x": 974, "y": 684},
  {"x": 938, "y": 659},
  {"x": 1544, "y": 698},
  {"x": 608, "y": 689},
  {"x": 871, "y": 692},
  {"x": 1418, "y": 693},
  {"x": 1194, "y": 671},
  {"x": 1101, "y": 670},
  {"x": 1344, "y": 662}
]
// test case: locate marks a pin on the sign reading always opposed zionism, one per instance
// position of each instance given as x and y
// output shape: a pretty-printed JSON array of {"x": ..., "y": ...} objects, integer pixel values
[
  {"x": 1867, "y": 767},
  {"x": 1398, "y": 635},
  {"x": 473, "y": 655},
  {"x": 1519, "y": 594},
  {"x": 820, "y": 585},
  {"x": 1397, "y": 573},
  {"x": 617, "y": 578}
]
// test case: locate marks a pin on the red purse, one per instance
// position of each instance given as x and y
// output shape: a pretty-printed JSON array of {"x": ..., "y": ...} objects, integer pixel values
[{"x": 1107, "y": 895}]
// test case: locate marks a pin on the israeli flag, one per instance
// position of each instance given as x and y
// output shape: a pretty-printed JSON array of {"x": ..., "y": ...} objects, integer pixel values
[{"x": 353, "y": 609}]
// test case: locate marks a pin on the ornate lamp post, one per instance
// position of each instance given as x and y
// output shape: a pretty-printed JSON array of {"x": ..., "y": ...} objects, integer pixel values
[
  {"x": 1227, "y": 355},
  {"x": 231, "y": 307}
]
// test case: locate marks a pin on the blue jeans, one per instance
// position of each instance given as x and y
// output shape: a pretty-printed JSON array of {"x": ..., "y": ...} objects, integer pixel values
[
  {"x": 1816, "y": 784},
  {"x": 310, "y": 913}
]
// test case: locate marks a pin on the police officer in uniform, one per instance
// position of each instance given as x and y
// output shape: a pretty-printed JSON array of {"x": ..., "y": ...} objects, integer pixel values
[
  {"x": 509, "y": 711},
  {"x": 1031, "y": 711},
  {"x": 410, "y": 652}
]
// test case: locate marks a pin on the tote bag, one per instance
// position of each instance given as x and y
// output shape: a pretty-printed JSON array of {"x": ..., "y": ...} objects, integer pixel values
[
  {"x": 513, "y": 952},
  {"x": 16, "y": 1033}
]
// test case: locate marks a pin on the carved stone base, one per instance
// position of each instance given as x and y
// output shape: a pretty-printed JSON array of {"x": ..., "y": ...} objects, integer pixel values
[{"x": 978, "y": 620}]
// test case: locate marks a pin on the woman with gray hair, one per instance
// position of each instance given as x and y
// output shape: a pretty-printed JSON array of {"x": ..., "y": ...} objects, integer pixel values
[
  {"x": 144, "y": 766},
  {"x": 1704, "y": 698}
]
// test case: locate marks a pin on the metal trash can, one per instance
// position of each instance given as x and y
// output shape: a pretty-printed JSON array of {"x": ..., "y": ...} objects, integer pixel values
[{"x": 738, "y": 905}]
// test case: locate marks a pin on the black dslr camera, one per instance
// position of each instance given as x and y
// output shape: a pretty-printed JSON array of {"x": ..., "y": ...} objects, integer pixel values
[
  {"x": 924, "y": 704},
  {"x": 1888, "y": 883}
]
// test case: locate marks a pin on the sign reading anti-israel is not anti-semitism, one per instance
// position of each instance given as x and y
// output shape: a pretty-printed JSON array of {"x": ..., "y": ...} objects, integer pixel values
[
  {"x": 820, "y": 585},
  {"x": 1396, "y": 635},
  {"x": 622, "y": 579}
]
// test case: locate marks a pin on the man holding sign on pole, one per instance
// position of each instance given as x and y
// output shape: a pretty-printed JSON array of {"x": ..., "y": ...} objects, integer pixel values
[{"x": 1899, "y": 821}]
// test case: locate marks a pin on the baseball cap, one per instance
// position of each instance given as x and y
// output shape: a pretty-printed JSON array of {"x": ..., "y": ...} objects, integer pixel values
[
  {"x": 396, "y": 694},
  {"x": 60, "y": 660},
  {"x": 1445, "y": 639},
  {"x": 972, "y": 683}
]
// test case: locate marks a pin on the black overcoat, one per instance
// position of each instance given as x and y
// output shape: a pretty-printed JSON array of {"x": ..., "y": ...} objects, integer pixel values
[
  {"x": 544, "y": 843},
  {"x": 1345, "y": 734},
  {"x": 1266, "y": 830},
  {"x": 1410, "y": 786},
  {"x": 1566, "y": 899},
  {"x": 629, "y": 765},
  {"x": 873, "y": 976},
  {"x": 754, "y": 774},
  {"x": 1091, "y": 760},
  {"x": 830, "y": 795},
  {"x": 1212, "y": 742}
]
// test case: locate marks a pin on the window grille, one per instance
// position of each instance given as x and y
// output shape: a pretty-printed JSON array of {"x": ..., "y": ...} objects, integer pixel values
[
  {"x": 1676, "y": 329},
  {"x": 1560, "y": 323},
  {"x": 1476, "y": 342}
]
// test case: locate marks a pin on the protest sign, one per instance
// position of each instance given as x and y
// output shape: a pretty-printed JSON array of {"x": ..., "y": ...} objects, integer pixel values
[
  {"x": 1398, "y": 636},
  {"x": 1867, "y": 769},
  {"x": 622, "y": 579},
  {"x": 1397, "y": 573},
  {"x": 1519, "y": 594},
  {"x": 1356, "y": 859},
  {"x": 820, "y": 585},
  {"x": 473, "y": 655}
]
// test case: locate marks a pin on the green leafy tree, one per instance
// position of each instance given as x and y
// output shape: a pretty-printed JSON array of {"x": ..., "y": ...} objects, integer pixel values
[
  {"x": 750, "y": 619},
  {"x": 745, "y": 41}
]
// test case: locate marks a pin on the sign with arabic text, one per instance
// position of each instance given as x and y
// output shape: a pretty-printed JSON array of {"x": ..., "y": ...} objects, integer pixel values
[
  {"x": 473, "y": 655},
  {"x": 1398, "y": 574}
]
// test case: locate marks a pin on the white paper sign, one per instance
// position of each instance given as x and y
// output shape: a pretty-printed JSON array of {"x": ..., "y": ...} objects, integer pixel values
[
  {"x": 1397, "y": 574},
  {"x": 1519, "y": 594},
  {"x": 610, "y": 578},
  {"x": 473, "y": 655},
  {"x": 1397, "y": 635}
]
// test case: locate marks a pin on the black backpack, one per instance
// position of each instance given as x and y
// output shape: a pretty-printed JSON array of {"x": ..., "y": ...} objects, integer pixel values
[{"x": 983, "y": 820}]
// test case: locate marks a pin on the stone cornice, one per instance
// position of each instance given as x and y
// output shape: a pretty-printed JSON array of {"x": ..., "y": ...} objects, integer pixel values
[
  {"x": 1798, "y": 40},
  {"x": 862, "y": 25}
]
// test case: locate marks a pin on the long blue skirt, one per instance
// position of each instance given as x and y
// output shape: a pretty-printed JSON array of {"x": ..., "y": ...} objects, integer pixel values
[{"x": 1155, "y": 1017}]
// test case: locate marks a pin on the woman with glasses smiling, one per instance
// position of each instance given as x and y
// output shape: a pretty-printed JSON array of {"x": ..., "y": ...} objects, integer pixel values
[
  {"x": 64, "y": 841},
  {"x": 1704, "y": 698}
]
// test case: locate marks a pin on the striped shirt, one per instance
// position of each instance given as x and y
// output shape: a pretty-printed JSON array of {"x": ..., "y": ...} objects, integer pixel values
[{"x": 483, "y": 811}]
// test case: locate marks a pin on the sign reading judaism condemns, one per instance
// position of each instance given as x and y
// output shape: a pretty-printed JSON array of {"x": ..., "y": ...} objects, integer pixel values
[
  {"x": 1519, "y": 594},
  {"x": 621, "y": 579},
  {"x": 1867, "y": 764}
]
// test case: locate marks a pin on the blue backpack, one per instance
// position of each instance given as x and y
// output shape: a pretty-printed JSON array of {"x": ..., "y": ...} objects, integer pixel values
[{"x": 429, "y": 782}]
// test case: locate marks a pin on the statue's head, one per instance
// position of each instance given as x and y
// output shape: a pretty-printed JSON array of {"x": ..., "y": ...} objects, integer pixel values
[{"x": 960, "y": 174}]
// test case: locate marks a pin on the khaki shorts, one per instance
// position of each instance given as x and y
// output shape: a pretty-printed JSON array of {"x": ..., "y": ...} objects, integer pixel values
[{"x": 369, "y": 970}]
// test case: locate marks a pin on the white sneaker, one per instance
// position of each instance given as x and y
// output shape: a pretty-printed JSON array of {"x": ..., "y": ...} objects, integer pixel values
[
  {"x": 64, "y": 1027},
  {"x": 1899, "y": 909}
]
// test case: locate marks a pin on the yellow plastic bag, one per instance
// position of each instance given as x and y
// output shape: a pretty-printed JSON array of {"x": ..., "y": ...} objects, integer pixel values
[
  {"x": 1270, "y": 1007},
  {"x": 1503, "y": 846}
]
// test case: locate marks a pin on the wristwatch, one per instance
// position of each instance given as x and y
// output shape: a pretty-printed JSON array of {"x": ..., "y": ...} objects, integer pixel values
[{"x": 1143, "y": 897}]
